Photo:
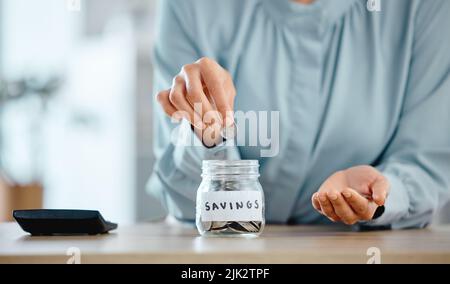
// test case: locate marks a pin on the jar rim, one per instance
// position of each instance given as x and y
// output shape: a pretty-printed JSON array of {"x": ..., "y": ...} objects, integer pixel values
[
  {"x": 227, "y": 168},
  {"x": 230, "y": 163}
]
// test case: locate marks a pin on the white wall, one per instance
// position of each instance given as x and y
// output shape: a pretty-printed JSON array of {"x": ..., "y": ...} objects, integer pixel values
[{"x": 37, "y": 35}]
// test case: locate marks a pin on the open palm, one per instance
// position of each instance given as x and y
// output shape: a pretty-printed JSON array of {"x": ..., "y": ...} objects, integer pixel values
[{"x": 351, "y": 195}]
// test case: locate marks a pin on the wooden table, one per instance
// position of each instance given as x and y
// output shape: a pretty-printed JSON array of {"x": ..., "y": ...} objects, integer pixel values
[{"x": 169, "y": 243}]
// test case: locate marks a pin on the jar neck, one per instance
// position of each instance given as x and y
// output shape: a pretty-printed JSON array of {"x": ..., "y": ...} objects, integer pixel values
[{"x": 226, "y": 169}]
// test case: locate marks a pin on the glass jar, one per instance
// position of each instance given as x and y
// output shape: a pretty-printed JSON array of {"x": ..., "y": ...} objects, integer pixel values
[{"x": 230, "y": 199}]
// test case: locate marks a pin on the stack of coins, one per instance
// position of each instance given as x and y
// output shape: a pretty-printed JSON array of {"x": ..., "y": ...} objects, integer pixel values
[{"x": 233, "y": 227}]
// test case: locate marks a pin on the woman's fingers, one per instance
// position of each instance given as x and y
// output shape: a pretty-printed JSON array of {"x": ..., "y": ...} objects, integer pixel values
[
  {"x": 327, "y": 207},
  {"x": 177, "y": 98},
  {"x": 315, "y": 202},
  {"x": 353, "y": 194},
  {"x": 380, "y": 189},
  {"x": 163, "y": 99},
  {"x": 341, "y": 208},
  {"x": 215, "y": 78},
  {"x": 358, "y": 203},
  {"x": 196, "y": 96},
  {"x": 203, "y": 93},
  {"x": 230, "y": 90}
]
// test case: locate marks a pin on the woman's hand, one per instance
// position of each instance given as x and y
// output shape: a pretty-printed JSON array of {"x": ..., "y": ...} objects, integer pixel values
[
  {"x": 351, "y": 195},
  {"x": 202, "y": 93}
]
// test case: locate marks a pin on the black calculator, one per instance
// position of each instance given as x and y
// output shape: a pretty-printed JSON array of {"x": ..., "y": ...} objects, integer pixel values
[{"x": 60, "y": 222}]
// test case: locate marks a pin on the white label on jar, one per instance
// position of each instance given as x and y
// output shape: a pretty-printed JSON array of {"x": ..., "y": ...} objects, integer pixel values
[{"x": 231, "y": 206}]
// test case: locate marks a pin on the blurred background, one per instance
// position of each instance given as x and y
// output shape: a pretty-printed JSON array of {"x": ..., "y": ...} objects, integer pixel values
[{"x": 76, "y": 107}]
